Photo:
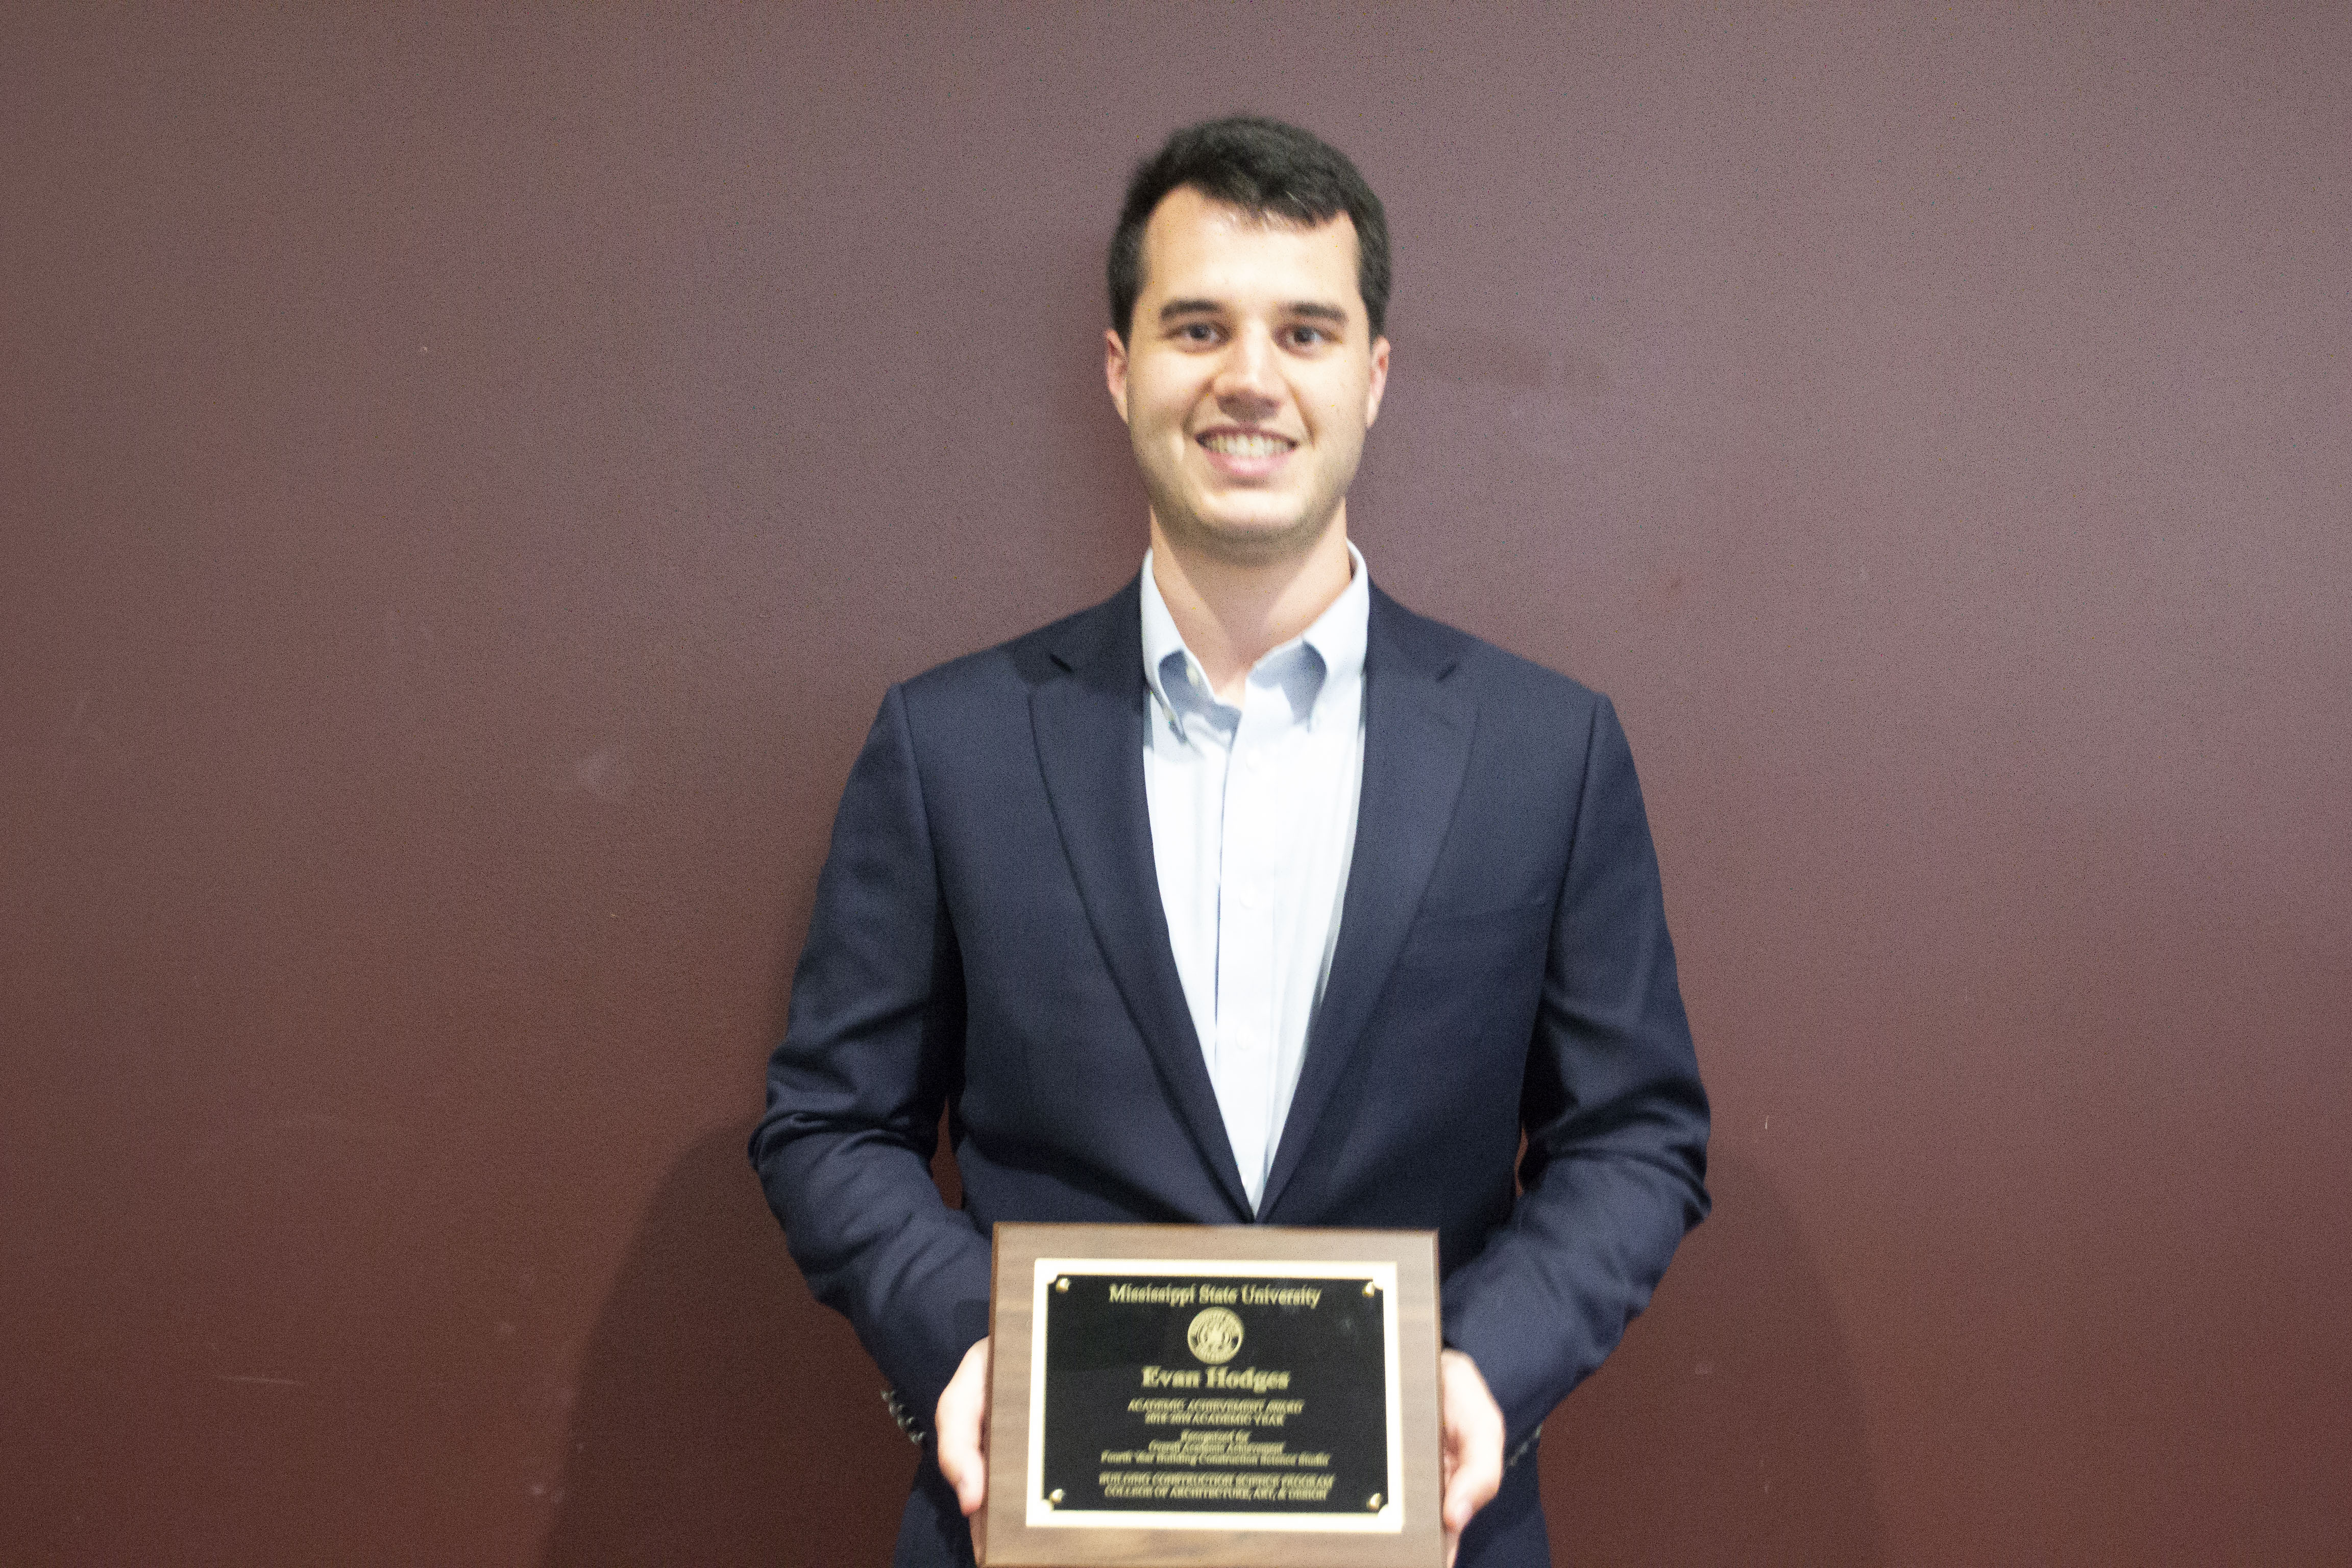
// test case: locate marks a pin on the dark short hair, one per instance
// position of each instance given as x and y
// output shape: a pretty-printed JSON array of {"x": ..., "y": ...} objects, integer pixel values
[{"x": 1262, "y": 166}]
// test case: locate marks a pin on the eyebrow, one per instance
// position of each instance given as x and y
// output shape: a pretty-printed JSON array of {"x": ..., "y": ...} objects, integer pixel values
[{"x": 1314, "y": 309}]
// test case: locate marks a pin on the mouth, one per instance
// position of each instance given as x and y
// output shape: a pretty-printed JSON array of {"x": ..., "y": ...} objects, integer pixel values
[
  {"x": 1245, "y": 454},
  {"x": 1246, "y": 443}
]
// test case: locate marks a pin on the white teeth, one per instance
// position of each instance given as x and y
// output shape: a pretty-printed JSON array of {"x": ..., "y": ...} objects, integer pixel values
[{"x": 1231, "y": 445}]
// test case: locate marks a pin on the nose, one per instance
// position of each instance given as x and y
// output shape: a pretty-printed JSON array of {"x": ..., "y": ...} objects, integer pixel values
[{"x": 1248, "y": 384}]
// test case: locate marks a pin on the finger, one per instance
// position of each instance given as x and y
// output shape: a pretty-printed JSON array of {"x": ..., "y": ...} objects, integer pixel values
[
  {"x": 1474, "y": 1440},
  {"x": 1477, "y": 1477},
  {"x": 965, "y": 1471},
  {"x": 960, "y": 1461},
  {"x": 962, "y": 1427}
]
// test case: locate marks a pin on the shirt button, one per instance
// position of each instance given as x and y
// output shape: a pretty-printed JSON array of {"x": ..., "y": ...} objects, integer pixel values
[{"x": 1251, "y": 897}]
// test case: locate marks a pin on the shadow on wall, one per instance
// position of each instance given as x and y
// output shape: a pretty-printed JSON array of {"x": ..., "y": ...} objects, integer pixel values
[
  {"x": 1729, "y": 1426},
  {"x": 724, "y": 1417}
]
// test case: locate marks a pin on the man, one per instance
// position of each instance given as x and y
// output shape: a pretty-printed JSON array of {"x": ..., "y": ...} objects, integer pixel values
[{"x": 1246, "y": 896}]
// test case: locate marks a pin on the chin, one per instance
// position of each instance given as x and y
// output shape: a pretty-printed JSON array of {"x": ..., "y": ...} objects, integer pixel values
[
  {"x": 1257, "y": 539},
  {"x": 1244, "y": 527}
]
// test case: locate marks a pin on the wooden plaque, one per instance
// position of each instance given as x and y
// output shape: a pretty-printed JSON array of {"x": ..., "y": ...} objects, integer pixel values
[{"x": 1212, "y": 1397}]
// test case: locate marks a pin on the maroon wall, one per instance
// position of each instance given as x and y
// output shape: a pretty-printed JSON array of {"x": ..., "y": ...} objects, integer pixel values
[{"x": 466, "y": 480}]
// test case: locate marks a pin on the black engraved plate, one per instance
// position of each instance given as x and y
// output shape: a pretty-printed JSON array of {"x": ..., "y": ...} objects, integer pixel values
[{"x": 1175, "y": 1393}]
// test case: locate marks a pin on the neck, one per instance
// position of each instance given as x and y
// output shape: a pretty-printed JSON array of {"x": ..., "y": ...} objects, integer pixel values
[{"x": 1233, "y": 612}]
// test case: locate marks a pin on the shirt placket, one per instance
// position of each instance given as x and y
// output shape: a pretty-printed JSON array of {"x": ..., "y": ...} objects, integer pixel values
[{"x": 1248, "y": 957}]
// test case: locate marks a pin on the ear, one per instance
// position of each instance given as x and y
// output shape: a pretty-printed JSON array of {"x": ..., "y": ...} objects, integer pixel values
[
  {"x": 1379, "y": 381},
  {"x": 1115, "y": 369}
]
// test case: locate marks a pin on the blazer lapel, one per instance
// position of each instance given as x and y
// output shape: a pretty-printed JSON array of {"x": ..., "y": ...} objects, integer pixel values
[
  {"x": 1416, "y": 750},
  {"x": 1089, "y": 729}
]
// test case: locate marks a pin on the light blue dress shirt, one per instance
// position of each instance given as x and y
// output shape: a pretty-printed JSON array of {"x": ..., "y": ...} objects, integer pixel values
[{"x": 1253, "y": 826}]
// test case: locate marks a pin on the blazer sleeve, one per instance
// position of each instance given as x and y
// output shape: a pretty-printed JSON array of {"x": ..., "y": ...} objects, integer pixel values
[
  {"x": 871, "y": 1049},
  {"x": 1616, "y": 1121}
]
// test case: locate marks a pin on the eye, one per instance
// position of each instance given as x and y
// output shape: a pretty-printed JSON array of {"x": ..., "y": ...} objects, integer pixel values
[
  {"x": 1306, "y": 337},
  {"x": 1196, "y": 332}
]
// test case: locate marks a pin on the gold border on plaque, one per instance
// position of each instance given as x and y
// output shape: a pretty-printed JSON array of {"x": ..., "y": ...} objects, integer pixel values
[
  {"x": 1020, "y": 1528},
  {"x": 1039, "y": 1510}
]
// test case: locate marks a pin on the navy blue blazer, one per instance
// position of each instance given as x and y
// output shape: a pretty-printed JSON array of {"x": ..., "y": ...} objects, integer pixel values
[{"x": 988, "y": 936}]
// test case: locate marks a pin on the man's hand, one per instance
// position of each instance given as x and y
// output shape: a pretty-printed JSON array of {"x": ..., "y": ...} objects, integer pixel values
[
  {"x": 1471, "y": 1472},
  {"x": 962, "y": 1423}
]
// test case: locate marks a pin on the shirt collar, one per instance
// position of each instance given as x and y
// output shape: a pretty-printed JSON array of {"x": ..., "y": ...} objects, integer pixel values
[{"x": 1337, "y": 638}]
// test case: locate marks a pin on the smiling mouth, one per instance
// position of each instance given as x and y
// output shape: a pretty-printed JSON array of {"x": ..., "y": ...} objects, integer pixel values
[{"x": 1247, "y": 444}]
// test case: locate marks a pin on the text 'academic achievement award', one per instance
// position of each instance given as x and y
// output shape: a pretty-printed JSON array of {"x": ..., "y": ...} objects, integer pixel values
[{"x": 1239, "y": 1395}]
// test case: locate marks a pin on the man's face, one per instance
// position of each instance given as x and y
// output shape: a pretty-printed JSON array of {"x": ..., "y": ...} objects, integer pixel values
[{"x": 1249, "y": 379}]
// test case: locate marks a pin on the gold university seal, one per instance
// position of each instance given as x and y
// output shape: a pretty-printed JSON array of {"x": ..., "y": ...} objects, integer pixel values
[{"x": 1215, "y": 1335}]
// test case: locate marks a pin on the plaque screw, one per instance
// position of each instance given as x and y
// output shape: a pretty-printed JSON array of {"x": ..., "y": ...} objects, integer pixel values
[
  {"x": 1375, "y": 1503},
  {"x": 1054, "y": 1497},
  {"x": 1063, "y": 1284},
  {"x": 1370, "y": 1289}
]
